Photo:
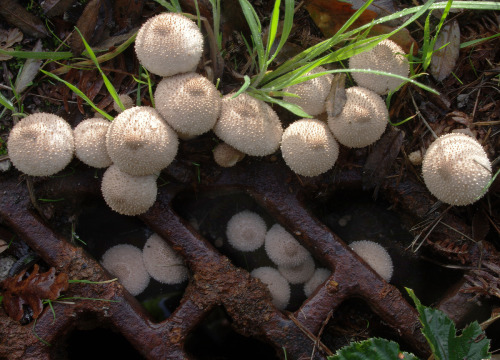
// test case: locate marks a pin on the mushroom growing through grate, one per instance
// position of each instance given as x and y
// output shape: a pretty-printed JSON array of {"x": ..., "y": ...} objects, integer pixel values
[
  {"x": 456, "y": 169},
  {"x": 140, "y": 142},
  {"x": 278, "y": 286},
  {"x": 309, "y": 148},
  {"x": 90, "y": 142},
  {"x": 189, "y": 103},
  {"x": 162, "y": 262},
  {"x": 169, "y": 44},
  {"x": 312, "y": 93},
  {"x": 363, "y": 119},
  {"x": 125, "y": 262},
  {"x": 320, "y": 275},
  {"x": 41, "y": 144},
  {"x": 128, "y": 194},
  {"x": 376, "y": 256},
  {"x": 249, "y": 125},
  {"x": 246, "y": 231},
  {"x": 283, "y": 249},
  {"x": 227, "y": 156},
  {"x": 386, "y": 56},
  {"x": 299, "y": 274}
]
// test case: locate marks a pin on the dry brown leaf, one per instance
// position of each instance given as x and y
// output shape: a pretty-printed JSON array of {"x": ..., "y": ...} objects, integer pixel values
[
  {"x": 31, "y": 291},
  {"x": 18, "y": 16},
  {"x": 29, "y": 71},
  {"x": 443, "y": 61},
  {"x": 8, "y": 39},
  {"x": 55, "y": 7}
]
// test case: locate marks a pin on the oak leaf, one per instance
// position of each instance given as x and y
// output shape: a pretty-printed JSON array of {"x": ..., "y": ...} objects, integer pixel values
[{"x": 31, "y": 291}]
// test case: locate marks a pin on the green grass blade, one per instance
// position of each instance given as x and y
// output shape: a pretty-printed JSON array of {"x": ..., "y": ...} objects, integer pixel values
[
  {"x": 7, "y": 103},
  {"x": 287, "y": 28},
  {"x": 256, "y": 30},
  {"x": 79, "y": 93},
  {"x": 273, "y": 27},
  {"x": 353, "y": 18},
  {"x": 108, "y": 84},
  {"x": 245, "y": 86},
  {"x": 172, "y": 7},
  {"x": 37, "y": 55},
  {"x": 295, "y": 109},
  {"x": 430, "y": 50},
  {"x": 477, "y": 41}
]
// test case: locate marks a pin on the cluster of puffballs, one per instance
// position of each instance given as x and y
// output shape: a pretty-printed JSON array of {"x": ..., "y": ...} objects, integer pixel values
[{"x": 247, "y": 232}]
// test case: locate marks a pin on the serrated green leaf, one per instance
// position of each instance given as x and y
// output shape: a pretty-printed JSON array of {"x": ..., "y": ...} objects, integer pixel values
[{"x": 372, "y": 349}]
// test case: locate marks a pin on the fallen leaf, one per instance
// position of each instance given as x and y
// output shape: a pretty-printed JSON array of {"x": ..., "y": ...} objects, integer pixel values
[
  {"x": 443, "y": 61},
  {"x": 337, "y": 97},
  {"x": 55, "y": 7},
  {"x": 18, "y": 16},
  {"x": 381, "y": 7},
  {"x": 29, "y": 71},
  {"x": 31, "y": 291},
  {"x": 127, "y": 12},
  {"x": 9, "y": 39}
]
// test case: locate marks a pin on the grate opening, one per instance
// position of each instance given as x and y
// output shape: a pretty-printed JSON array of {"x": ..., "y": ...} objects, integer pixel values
[{"x": 214, "y": 338}]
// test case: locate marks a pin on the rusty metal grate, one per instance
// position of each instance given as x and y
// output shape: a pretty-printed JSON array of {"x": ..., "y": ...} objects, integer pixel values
[{"x": 215, "y": 281}]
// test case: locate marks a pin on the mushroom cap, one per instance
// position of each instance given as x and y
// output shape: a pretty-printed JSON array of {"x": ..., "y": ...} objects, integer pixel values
[
  {"x": 308, "y": 147},
  {"x": 125, "y": 262},
  {"x": 278, "y": 286},
  {"x": 456, "y": 169},
  {"x": 318, "y": 278},
  {"x": 246, "y": 231},
  {"x": 249, "y": 125},
  {"x": 385, "y": 56},
  {"x": 126, "y": 101},
  {"x": 363, "y": 119},
  {"x": 227, "y": 156},
  {"x": 128, "y": 194},
  {"x": 90, "y": 142},
  {"x": 189, "y": 103},
  {"x": 283, "y": 249},
  {"x": 162, "y": 262},
  {"x": 376, "y": 256},
  {"x": 140, "y": 142},
  {"x": 298, "y": 274},
  {"x": 41, "y": 144},
  {"x": 169, "y": 44},
  {"x": 312, "y": 92}
]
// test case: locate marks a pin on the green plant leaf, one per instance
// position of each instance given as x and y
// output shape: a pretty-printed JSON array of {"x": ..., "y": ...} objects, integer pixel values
[
  {"x": 372, "y": 349},
  {"x": 255, "y": 28},
  {"x": 7, "y": 103},
  {"x": 440, "y": 332},
  {"x": 38, "y": 55}
]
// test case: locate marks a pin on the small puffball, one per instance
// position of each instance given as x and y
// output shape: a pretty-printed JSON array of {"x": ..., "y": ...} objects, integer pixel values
[
  {"x": 298, "y": 274},
  {"x": 319, "y": 277},
  {"x": 227, "y": 156},
  {"x": 162, "y": 262},
  {"x": 90, "y": 142},
  {"x": 246, "y": 231},
  {"x": 376, "y": 256},
  {"x": 283, "y": 249},
  {"x": 415, "y": 157},
  {"x": 125, "y": 262},
  {"x": 278, "y": 286},
  {"x": 127, "y": 102}
]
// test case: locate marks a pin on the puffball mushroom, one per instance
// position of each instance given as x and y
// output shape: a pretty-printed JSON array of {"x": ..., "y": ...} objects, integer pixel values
[
  {"x": 189, "y": 103},
  {"x": 249, "y": 125},
  {"x": 386, "y": 56},
  {"x": 278, "y": 286},
  {"x": 140, "y": 142},
  {"x": 41, "y": 144},
  {"x": 363, "y": 119},
  {"x": 127, "y": 102},
  {"x": 319, "y": 277},
  {"x": 298, "y": 274},
  {"x": 90, "y": 142},
  {"x": 456, "y": 169},
  {"x": 246, "y": 231},
  {"x": 376, "y": 256},
  {"x": 283, "y": 249},
  {"x": 125, "y": 262},
  {"x": 227, "y": 156},
  {"x": 128, "y": 194},
  {"x": 169, "y": 44},
  {"x": 312, "y": 93},
  {"x": 162, "y": 262},
  {"x": 308, "y": 147}
]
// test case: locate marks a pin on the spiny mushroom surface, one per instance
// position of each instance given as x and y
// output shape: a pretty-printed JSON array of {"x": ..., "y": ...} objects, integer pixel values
[
  {"x": 162, "y": 262},
  {"x": 320, "y": 275},
  {"x": 41, "y": 144},
  {"x": 386, "y": 56},
  {"x": 90, "y": 142},
  {"x": 299, "y": 274},
  {"x": 140, "y": 142},
  {"x": 125, "y": 262},
  {"x": 363, "y": 119},
  {"x": 127, "y": 102},
  {"x": 278, "y": 286},
  {"x": 246, "y": 231},
  {"x": 128, "y": 194},
  {"x": 283, "y": 249},
  {"x": 189, "y": 103},
  {"x": 312, "y": 93},
  {"x": 227, "y": 156},
  {"x": 249, "y": 125},
  {"x": 376, "y": 256},
  {"x": 456, "y": 169},
  {"x": 169, "y": 44},
  {"x": 308, "y": 147}
]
